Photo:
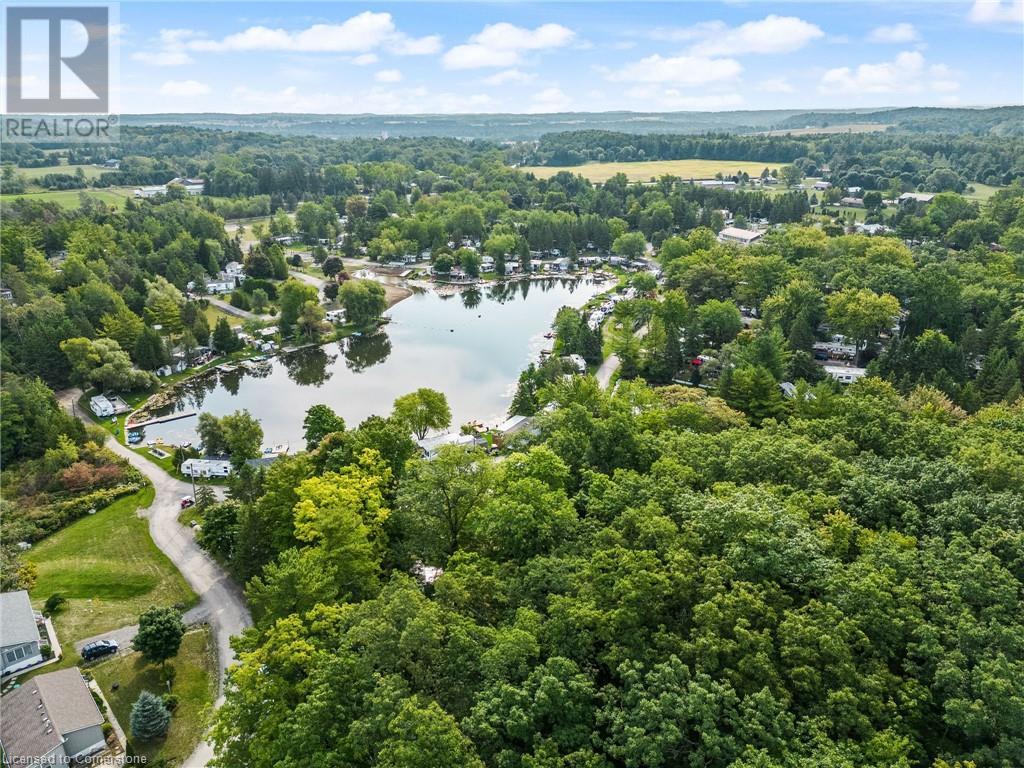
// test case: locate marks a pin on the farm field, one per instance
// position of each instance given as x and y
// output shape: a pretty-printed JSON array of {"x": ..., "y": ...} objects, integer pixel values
[
  {"x": 982, "y": 192},
  {"x": 195, "y": 685},
  {"x": 645, "y": 171},
  {"x": 812, "y": 130},
  {"x": 108, "y": 568},
  {"x": 90, "y": 171},
  {"x": 69, "y": 198}
]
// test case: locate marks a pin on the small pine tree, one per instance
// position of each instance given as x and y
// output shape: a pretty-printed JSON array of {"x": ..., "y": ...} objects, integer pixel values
[{"x": 150, "y": 718}]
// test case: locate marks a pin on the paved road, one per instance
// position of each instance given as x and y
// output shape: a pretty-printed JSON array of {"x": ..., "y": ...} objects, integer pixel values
[
  {"x": 124, "y": 635},
  {"x": 608, "y": 368},
  {"x": 313, "y": 280},
  {"x": 233, "y": 310},
  {"x": 611, "y": 364},
  {"x": 220, "y": 598}
]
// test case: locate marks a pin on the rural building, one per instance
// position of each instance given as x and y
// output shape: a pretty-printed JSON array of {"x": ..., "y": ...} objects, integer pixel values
[
  {"x": 740, "y": 236},
  {"x": 108, "y": 405},
  {"x": 845, "y": 375},
  {"x": 20, "y": 642},
  {"x": 192, "y": 186},
  {"x": 51, "y": 720},
  {"x": 822, "y": 185},
  {"x": 916, "y": 197},
  {"x": 834, "y": 350},
  {"x": 431, "y": 446},
  {"x": 206, "y": 468},
  {"x": 335, "y": 315},
  {"x": 149, "y": 191},
  {"x": 872, "y": 229},
  {"x": 717, "y": 183},
  {"x": 514, "y": 425},
  {"x": 852, "y": 202}
]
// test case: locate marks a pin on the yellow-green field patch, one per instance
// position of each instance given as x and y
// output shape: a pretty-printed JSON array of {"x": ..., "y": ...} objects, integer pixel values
[
  {"x": 71, "y": 198},
  {"x": 90, "y": 171},
  {"x": 654, "y": 169}
]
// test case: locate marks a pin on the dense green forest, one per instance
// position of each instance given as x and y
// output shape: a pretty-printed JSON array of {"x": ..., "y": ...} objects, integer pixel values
[
  {"x": 727, "y": 573},
  {"x": 518, "y": 127}
]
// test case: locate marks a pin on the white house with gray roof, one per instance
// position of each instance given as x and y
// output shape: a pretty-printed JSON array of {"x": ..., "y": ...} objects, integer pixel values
[
  {"x": 19, "y": 633},
  {"x": 50, "y": 720}
]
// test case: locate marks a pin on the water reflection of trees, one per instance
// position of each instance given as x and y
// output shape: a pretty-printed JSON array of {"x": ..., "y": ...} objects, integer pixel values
[
  {"x": 362, "y": 352},
  {"x": 195, "y": 391},
  {"x": 310, "y": 366},
  {"x": 471, "y": 298}
]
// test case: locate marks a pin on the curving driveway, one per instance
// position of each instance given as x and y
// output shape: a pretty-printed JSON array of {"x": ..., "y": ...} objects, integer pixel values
[{"x": 220, "y": 599}]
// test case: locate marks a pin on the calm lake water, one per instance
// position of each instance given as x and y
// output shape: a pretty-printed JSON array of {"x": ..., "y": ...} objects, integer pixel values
[{"x": 471, "y": 346}]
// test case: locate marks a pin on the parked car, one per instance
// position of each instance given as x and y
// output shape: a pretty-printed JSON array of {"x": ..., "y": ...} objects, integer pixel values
[
  {"x": 99, "y": 649},
  {"x": 187, "y": 501}
]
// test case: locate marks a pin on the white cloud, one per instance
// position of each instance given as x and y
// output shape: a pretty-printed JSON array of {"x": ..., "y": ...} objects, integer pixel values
[
  {"x": 551, "y": 99},
  {"x": 388, "y": 76},
  {"x": 677, "y": 70},
  {"x": 502, "y": 45},
  {"x": 361, "y": 33},
  {"x": 894, "y": 33},
  {"x": 167, "y": 58},
  {"x": 776, "y": 85},
  {"x": 907, "y": 73},
  {"x": 365, "y": 59},
  {"x": 509, "y": 76},
  {"x": 184, "y": 88},
  {"x": 998, "y": 12},
  {"x": 772, "y": 34}
]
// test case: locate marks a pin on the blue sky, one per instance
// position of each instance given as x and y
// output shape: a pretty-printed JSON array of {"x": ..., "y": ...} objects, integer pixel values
[{"x": 544, "y": 57}]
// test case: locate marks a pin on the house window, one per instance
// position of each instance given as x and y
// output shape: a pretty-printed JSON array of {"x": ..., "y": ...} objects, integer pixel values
[{"x": 10, "y": 657}]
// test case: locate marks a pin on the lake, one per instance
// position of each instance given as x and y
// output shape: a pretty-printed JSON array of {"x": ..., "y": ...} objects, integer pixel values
[{"x": 470, "y": 345}]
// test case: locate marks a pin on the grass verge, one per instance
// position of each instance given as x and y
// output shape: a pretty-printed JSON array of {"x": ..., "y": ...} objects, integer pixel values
[
  {"x": 195, "y": 685},
  {"x": 108, "y": 568}
]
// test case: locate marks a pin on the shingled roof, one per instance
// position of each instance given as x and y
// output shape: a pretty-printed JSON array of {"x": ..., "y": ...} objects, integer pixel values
[{"x": 38, "y": 715}]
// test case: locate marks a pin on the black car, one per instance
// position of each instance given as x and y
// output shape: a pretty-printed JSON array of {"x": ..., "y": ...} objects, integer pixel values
[{"x": 99, "y": 649}]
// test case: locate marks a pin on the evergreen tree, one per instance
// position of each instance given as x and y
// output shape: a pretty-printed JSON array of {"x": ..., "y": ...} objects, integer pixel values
[
  {"x": 150, "y": 351},
  {"x": 224, "y": 338},
  {"x": 150, "y": 718}
]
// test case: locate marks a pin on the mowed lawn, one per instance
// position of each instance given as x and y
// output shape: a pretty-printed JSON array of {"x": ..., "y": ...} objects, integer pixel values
[
  {"x": 645, "y": 171},
  {"x": 982, "y": 192},
  {"x": 195, "y": 685},
  {"x": 71, "y": 198},
  {"x": 108, "y": 568},
  {"x": 89, "y": 171}
]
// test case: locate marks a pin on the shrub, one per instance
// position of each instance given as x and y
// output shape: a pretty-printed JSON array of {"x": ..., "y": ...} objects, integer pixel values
[
  {"x": 170, "y": 701},
  {"x": 55, "y": 603}
]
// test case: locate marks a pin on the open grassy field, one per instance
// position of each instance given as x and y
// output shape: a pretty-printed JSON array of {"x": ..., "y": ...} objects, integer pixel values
[
  {"x": 812, "y": 130},
  {"x": 195, "y": 685},
  {"x": 981, "y": 193},
  {"x": 70, "y": 198},
  {"x": 109, "y": 569},
  {"x": 645, "y": 171},
  {"x": 214, "y": 314},
  {"x": 90, "y": 171}
]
